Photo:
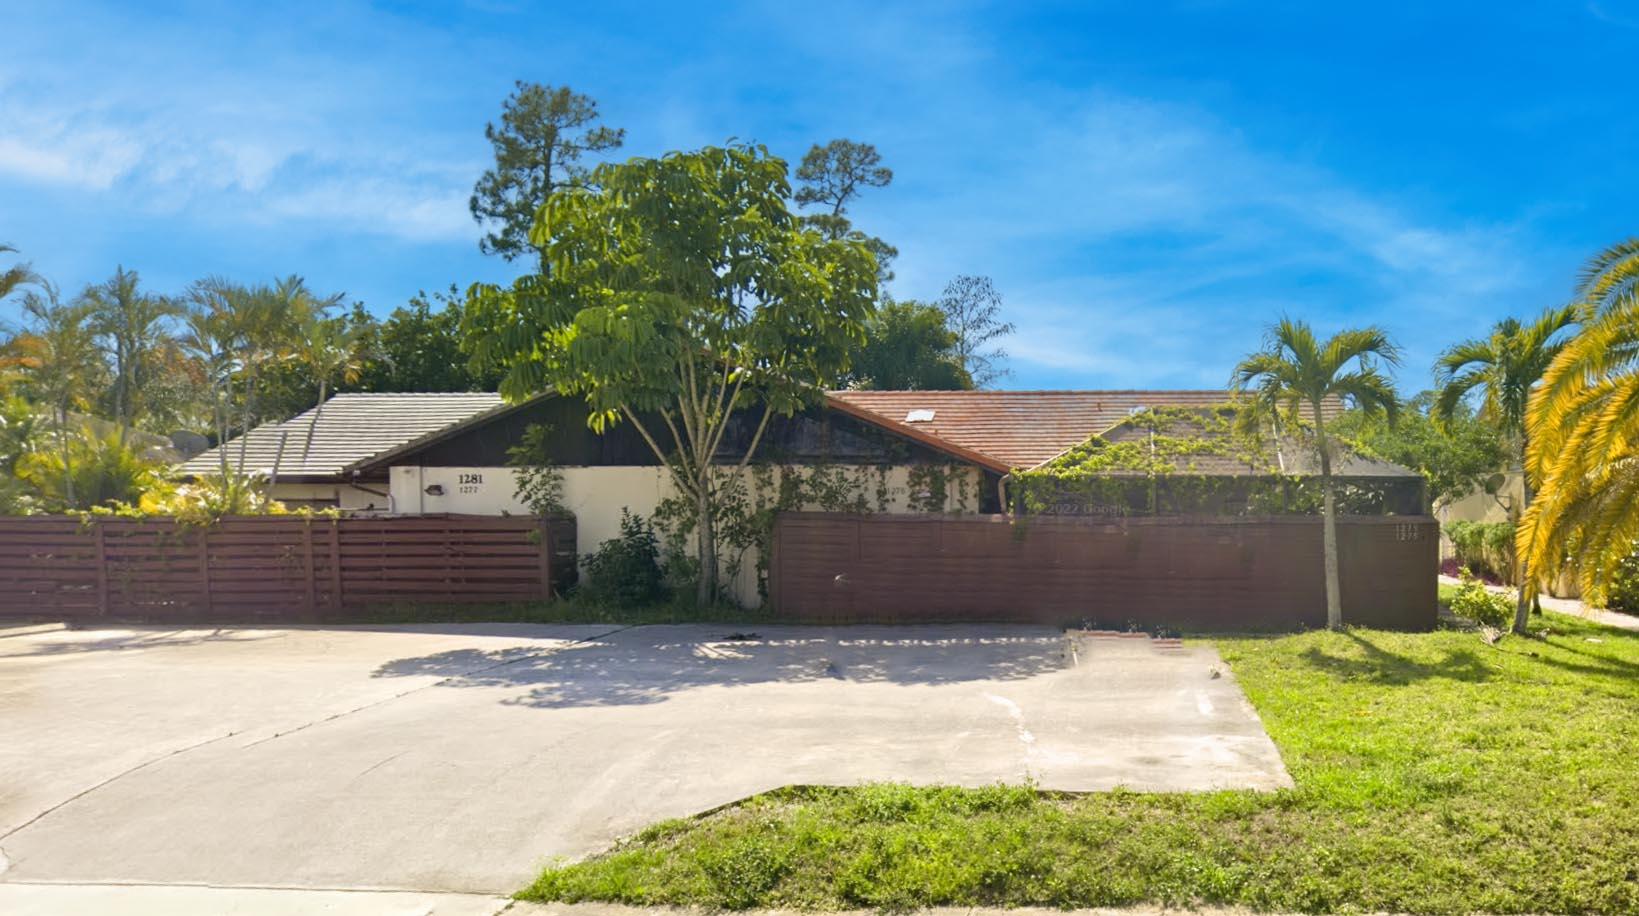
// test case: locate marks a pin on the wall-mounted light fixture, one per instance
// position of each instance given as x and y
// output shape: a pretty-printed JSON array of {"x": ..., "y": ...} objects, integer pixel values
[{"x": 436, "y": 489}]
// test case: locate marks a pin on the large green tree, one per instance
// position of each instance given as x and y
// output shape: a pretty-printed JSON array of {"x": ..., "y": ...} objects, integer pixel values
[
  {"x": 682, "y": 294},
  {"x": 543, "y": 134},
  {"x": 1291, "y": 379},
  {"x": 1505, "y": 367},
  {"x": 418, "y": 348},
  {"x": 908, "y": 346},
  {"x": 61, "y": 366},
  {"x": 830, "y": 178},
  {"x": 1458, "y": 454}
]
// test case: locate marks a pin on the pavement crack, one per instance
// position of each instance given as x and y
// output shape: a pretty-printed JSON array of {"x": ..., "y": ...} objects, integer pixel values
[{"x": 117, "y": 776}]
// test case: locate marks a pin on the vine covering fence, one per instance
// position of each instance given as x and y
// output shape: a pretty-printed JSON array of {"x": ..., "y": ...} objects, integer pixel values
[{"x": 275, "y": 568}]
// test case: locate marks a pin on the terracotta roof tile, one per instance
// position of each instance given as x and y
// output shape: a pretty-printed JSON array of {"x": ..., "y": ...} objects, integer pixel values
[{"x": 1018, "y": 429}]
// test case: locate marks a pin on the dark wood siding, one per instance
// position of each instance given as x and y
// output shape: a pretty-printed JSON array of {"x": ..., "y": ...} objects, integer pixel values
[
  {"x": 814, "y": 436},
  {"x": 1190, "y": 573}
]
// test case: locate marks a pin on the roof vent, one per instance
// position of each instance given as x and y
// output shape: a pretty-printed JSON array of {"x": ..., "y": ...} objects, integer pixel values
[{"x": 919, "y": 416}]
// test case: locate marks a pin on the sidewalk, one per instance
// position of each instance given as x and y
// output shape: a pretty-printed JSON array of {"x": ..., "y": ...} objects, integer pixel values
[{"x": 1571, "y": 606}]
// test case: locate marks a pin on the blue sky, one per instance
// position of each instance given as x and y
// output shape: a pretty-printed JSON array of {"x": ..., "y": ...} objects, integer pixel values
[{"x": 1148, "y": 183}]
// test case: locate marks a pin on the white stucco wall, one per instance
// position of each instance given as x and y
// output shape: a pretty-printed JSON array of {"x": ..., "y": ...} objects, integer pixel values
[
  {"x": 597, "y": 494},
  {"x": 345, "y": 497}
]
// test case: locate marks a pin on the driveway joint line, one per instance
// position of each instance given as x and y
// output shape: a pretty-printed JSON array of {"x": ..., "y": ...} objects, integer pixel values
[
  {"x": 331, "y": 718},
  {"x": 120, "y": 775}
]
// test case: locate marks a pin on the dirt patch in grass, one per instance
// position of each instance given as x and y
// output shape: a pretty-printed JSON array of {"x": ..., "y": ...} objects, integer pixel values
[{"x": 1435, "y": 774}]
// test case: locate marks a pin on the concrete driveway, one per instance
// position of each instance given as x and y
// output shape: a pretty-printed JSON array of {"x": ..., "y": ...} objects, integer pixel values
[{"x": 462, "y": 758}]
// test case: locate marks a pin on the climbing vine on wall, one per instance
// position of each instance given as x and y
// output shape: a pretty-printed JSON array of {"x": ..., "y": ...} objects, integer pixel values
[
  {"x": 748, "y": 503},
  {"x": 1156, "y": 462}
]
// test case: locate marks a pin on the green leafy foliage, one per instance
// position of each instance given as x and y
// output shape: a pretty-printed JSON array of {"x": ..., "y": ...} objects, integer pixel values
[
  {"x": 1622, "y": 592},
  {"x": 1153, "y": 464},
  {"x": 625, "y": 571},
  {"x": 1486, "y": 548},
  {"x": 909, "y": 346},
  {"x": 539, "y": 482},
  {"x": 1480, "y": 604},
  {"x": 1458, "y": 454},
  {"x": 418, "y": 348},
  {"x": 92, "y": 468}
]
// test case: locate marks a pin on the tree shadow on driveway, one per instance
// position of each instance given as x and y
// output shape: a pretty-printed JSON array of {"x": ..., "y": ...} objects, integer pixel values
[
  {"x": 78, "y": 642},
  {"x": 651, "y": 664}
]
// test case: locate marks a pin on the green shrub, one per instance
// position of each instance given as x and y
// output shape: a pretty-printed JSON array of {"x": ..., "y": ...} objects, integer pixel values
[
  {"x": 1486, "y": 548},
  {"x": 1623, "y": 592},
  {"x": 1482, "y": 605},
  {"x": 625, "y": 570}
]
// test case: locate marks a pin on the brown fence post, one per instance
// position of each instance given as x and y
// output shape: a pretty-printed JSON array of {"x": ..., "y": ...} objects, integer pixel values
[
  {"x": 310, "y": 574},
  {"x": 205, "y": 565},
  {"x": 102, "y": 569},
  {"x": 335, "y": 564}
]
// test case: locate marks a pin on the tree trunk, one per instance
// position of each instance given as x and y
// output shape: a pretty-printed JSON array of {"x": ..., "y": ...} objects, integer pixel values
[
  {"x": 1328, "y": 510},
  {"x": 244, "y": 433},
  {"x": 313, "y": 424},
  {"x": 1527, "y": 590},
  {"x": 62, "y": 445},
  {"x": 706, "y": 586},
  {"x": 120, "y": 389}
]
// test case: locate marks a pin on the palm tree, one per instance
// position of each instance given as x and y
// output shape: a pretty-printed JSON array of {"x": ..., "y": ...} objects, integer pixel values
[
  {"x": 208, "y": 337},
  {"x": 15, "y": 276},
  {"x": 133, "y": 327},
  {"x": 1584, "y": 427},
  {"x": 1296, "y": 374},
  {"x": 60, "y": 362},
  {"x": 1505, "y": 368},
  {"x": 325, "y": 348}
]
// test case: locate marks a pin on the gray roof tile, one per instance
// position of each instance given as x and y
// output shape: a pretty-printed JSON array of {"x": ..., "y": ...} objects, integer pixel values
[{"x": 351, "y": 429}]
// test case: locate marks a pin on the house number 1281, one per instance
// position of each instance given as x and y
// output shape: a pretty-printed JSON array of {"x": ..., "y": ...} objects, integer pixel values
[{"x": 469, "y": 483}]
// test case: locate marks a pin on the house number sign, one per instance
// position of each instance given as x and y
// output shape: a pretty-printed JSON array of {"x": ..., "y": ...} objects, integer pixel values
[{"x": 469, "y": 483}]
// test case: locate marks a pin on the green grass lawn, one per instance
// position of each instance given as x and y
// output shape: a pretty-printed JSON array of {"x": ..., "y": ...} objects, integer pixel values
[{"x": 1434, "y": 774}]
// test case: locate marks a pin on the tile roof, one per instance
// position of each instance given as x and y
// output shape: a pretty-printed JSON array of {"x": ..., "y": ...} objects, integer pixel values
[
  {"x": 351, "y": 429},
  {"x": 1014, "y": 429}
]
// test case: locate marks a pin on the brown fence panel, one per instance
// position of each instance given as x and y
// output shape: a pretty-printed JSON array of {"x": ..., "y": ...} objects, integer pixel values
[
  {"x": 275, "y": 568},
  {"x": 1195, "y": 573}
]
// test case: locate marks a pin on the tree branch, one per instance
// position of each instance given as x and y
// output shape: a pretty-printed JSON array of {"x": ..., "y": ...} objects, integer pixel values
[{"x": 677, "y": 474}]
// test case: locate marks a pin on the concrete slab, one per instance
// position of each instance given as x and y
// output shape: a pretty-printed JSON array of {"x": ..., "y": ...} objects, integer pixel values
[
  {"x": 182, "y": 900},
  {"x": 464, "y": 760}
]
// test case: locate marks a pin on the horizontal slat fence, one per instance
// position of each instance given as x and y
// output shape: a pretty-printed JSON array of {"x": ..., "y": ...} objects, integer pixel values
[
  {"x": 275, "y": 568},
  {"x": 1215, "y": 573}
]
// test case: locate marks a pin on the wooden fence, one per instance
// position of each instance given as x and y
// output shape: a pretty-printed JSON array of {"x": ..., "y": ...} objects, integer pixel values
[
  {"x": 275, "y": 568},
  {"x": 1211, "y": 573}
]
